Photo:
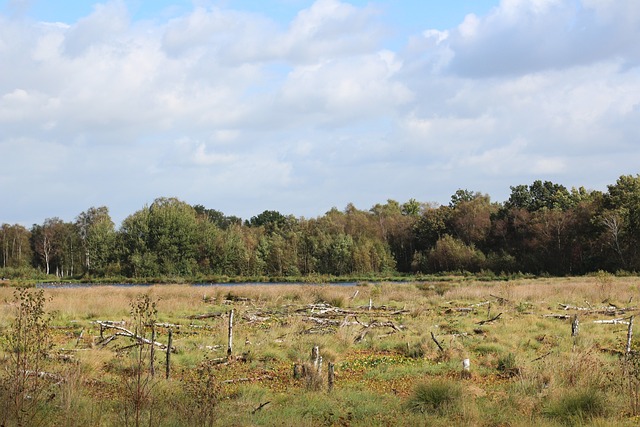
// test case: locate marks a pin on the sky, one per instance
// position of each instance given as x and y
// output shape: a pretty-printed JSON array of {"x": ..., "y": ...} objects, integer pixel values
[{"x": 300, "y": 105}]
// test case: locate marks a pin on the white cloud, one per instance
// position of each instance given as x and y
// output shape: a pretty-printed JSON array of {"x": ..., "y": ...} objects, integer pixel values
[{"x": 240, "y": 112}]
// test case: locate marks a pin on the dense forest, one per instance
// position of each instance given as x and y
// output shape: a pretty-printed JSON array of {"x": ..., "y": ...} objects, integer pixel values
[{"x": 542, "y": 228}]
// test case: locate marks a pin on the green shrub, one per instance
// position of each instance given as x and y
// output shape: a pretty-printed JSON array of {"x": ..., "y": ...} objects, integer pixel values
[{"x": 438, "y": 397}]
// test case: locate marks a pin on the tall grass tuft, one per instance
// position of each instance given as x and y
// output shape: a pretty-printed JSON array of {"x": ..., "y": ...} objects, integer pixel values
[
  {"x": 439, "y": 397},
  {"x": 577, "y": 407}
]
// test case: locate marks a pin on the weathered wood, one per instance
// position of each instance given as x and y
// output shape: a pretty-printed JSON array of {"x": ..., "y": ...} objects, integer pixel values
[
  {"x": 127, "y": 333},
  {"x": 152, "y": 356},
  {"x": 558, "y": 316},
  {"x": 466, "y": 369},
  {"x": 612, "y": 322},
  {"x": 331, "y": 376},
  {"x": 482, "y": 322},
  {"x": 80, "y": 337},
  {"x": 262, "y": 405},
  {"x": 315, "y": 356},
  {"x": 297, "y": 374},
  {"x": 244, "y": 380},
  {"x": 433, "y": 337},
  {"x": 575, "y": 326},
  {"x": 230, "y": 339},
  {"x": 541, "y": 357},
  {"x": 204, "y": 316},
  {"x": 168, "y": 366},
  {"x": 629, "y": 336}
]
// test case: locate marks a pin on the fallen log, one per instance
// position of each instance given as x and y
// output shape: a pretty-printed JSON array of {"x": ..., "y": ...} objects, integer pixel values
[
  {"x": 244, "y": 380},
  {"x": 612, "y": 322},
  {"x": 127, "y": 333},
  {"x": 558, "y": 316},
  {"x": 204, "y": 316}
]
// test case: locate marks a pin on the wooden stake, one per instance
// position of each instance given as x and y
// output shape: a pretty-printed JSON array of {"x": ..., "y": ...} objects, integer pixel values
[
  {"x": 230, "y": 345},
  {"x": 331, "y": 376},
  {"x": 575, "y": 326},
  {"x": 153, "y": 354},
  {"x": 629, "y": 335},
  {"x": 315, "y": 356},
  {"x": 168, "y": 367}
]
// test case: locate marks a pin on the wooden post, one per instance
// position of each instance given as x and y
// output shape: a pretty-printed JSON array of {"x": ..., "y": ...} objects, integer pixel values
[
  {"x": 153, "y": 351},
  {"x": 230, "y": 346},
  {"x": 575, "y": 325},
  {"x": 319, "y": 368},
  {"x": 466, "y": 368},
  {"x": 331, "y": 376},
  {"x": 168, "y": 368},
  {"x": 296, "y": 371},
  {"x": 315, "y": 356},
  {"x": 370, "y": 304},
  {"x": 629, "y": 335}
]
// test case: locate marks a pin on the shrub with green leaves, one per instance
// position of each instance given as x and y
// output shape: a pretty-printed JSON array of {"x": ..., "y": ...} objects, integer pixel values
[{"x": 26, "y": 344}]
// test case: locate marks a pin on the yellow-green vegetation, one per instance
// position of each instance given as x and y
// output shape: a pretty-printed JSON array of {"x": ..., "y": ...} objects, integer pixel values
[{"x": 396, "y": 350}]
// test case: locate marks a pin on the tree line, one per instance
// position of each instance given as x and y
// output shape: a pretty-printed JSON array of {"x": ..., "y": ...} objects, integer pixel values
[{"x": 543, "y": 228}]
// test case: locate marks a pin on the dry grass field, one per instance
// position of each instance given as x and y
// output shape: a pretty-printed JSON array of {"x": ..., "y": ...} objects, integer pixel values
[{"x": 396, "y": 351}]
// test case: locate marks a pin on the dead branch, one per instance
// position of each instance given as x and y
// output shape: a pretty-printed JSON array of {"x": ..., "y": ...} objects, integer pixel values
[
  {"x": 542, "y": 357},
  {"x": 482, "y": 322},
  {"x": 127, "y": 333},
  {"x": 262, "y": 405},
  {"x": 433, "y": 337}
]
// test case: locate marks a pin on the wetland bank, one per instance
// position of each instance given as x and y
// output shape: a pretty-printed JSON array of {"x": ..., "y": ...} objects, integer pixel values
[{"x": 396, "y": 352}]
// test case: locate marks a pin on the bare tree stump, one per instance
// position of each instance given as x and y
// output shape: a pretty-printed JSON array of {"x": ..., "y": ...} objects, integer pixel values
[
  {"x": 575, "y": 326},
  {"x": 466, "y": 369}
]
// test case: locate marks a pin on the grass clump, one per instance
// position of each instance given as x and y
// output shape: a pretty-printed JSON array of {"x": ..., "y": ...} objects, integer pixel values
[
  {"x": 439, "y": 397},
  {"x": 577, "y": 407}
]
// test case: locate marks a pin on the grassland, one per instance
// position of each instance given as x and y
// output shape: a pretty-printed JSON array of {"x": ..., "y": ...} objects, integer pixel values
[{"x": 526, "y": 368}]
